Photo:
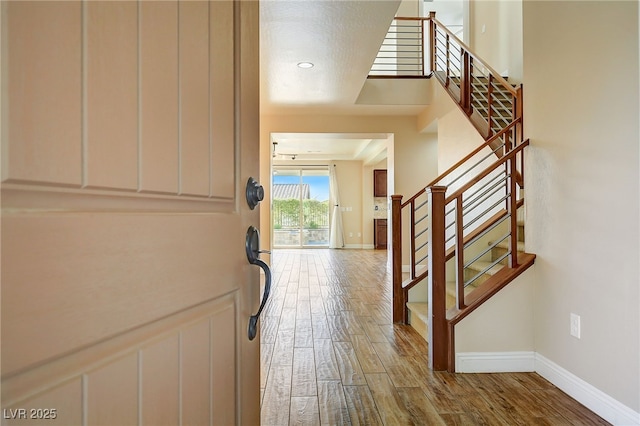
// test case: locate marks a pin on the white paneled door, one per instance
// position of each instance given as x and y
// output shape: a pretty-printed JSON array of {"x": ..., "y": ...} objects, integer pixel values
[{"x": 129, "y": 130}]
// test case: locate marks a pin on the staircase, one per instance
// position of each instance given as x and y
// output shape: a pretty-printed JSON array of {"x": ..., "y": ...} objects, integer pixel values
[
  {"x": 479, "y": 272},
  {"x": 463, "y": 234}
]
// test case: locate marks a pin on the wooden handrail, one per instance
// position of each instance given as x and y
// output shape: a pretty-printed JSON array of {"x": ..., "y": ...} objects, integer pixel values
[
  {"x": 475, "y": 57},
  {"x": 471, "y": 236},
  {"x": 488, "y": 170},
  {"x": 462, "y": 161},
  {"x": 411, "y": 18}
]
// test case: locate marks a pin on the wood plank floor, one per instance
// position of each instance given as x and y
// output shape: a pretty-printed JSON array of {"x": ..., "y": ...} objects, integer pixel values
[{"x": 331, "y": 355}]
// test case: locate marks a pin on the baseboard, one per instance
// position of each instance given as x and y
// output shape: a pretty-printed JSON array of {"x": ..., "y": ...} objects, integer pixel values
[
  {"x": 359, "y": 246},
  {"x": 495, "y": 362},
  {"x": 594, "y": 399}
]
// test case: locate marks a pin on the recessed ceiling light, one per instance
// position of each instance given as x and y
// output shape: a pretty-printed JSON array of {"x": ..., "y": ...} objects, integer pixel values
[{"x": 305, "y": 65}]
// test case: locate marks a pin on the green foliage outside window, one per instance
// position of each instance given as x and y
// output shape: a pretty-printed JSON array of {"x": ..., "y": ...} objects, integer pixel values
[{"x": 286, "y": 214}]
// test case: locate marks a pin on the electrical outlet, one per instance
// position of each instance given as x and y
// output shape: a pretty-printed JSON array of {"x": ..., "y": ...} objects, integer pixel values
[
  {"x": 359, "y": 234},
  {"x": 351, "y": 234},
  {"x": 575, "y": 325}
]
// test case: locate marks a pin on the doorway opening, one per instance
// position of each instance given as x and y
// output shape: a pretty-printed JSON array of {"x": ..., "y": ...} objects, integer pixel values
[{"x": 300, "y": 206}]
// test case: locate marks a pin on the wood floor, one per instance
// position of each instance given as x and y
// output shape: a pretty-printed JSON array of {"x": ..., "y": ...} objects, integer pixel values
[{"x": 331, "y": 355}]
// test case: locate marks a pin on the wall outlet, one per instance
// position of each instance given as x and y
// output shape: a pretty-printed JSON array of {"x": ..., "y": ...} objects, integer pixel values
[
  {"x": 574, "y": 321},
  {"x": 359, "y": 234},
  {"x": 351, "y": 234}
]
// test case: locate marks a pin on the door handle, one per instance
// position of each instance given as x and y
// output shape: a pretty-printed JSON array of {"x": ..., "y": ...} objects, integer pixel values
[{"x": 252, "y": 246}]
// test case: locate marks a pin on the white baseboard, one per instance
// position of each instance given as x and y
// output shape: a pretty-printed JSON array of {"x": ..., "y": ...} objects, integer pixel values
[
  {"x": 495, "y": 362},
  {"x": 359, "y": 246},
  {"x": 594, "y": 399}
]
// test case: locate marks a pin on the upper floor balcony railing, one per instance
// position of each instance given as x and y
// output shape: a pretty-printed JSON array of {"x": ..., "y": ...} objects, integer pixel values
[
  {"x": 421, "y": 47},
  {"x": 402, "y": 53}
]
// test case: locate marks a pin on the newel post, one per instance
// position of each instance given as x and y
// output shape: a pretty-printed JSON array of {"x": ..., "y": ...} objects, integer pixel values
[
  {"x": 438, "y": 337},
  {"x": 432, "y": 41},
  {"x": 399, "y": 302}
]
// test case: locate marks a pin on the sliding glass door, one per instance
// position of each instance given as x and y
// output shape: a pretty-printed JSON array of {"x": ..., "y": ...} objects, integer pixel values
[{"x": 300, "y": 207}]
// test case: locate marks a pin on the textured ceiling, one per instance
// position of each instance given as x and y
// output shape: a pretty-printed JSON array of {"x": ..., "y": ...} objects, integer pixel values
[{"x": 341, "y": 39}]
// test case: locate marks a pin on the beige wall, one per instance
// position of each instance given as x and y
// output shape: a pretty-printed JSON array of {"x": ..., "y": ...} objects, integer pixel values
[
  {"x": 456, "y": 137},
  {"x": 504, "y": 323},
  {"x": 350, "y": 183},
  {"x": 496, "y": 35},
  {"x": 414, "y": 157},
  {"x": 582, "y": 192},
  {"x": 582, "y": 181},
  {"x": 410, "y": 8},
  {"x": 581, "y": 112}
]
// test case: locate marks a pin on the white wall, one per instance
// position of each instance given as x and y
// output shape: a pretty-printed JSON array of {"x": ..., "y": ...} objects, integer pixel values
[{"x": 582, "y": 180}]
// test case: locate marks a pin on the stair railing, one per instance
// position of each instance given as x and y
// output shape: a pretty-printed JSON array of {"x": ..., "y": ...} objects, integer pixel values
[
  {"x": 486, "y": 97},
  {"x": 473, "y": 200},
  {"x": 402, "y": 53},
  {"x": 415, "y": 213},
  {"x": 423, "y": 47},
  {"x": 448, "y": 223}
]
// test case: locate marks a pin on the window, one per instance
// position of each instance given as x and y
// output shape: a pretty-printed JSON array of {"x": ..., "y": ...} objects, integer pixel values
[{"x": 300, "y": 207}]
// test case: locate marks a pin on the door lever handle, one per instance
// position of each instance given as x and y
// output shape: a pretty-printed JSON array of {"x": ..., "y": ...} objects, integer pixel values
[{"x": 252, "y": 245}]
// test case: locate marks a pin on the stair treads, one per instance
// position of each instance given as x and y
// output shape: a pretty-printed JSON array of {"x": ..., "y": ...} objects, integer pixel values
[
  {"x": 481, "y": 265},
  {"x": 505, "y": 245}
]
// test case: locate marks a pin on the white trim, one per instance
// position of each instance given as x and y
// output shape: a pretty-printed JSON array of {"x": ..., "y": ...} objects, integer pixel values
[
  {"x": 495, "y": 362},
  {"x": 594, "y": 399},
  {"x": 359, "y": 246}
]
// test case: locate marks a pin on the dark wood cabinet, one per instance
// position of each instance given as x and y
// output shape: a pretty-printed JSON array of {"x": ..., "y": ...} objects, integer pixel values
[
  {"x": 380, "y": 233},
  {"x": 379, "y": 183}
]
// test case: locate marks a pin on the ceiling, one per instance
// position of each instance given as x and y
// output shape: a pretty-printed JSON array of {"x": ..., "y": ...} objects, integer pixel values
[
  {"x": 341, "y": 38},
  {"x": 370, "y": 148}
]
